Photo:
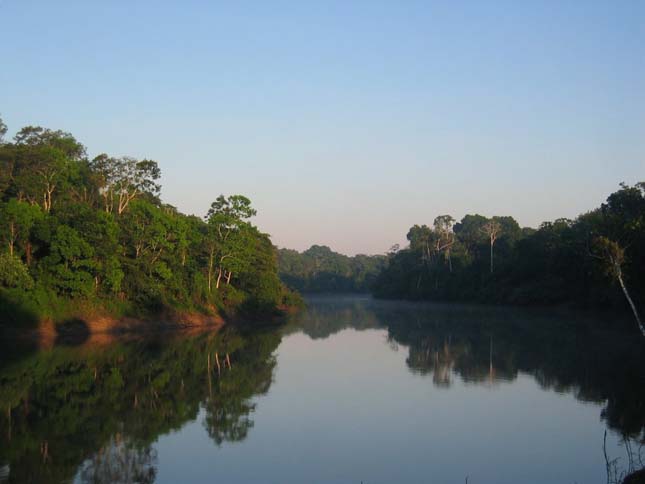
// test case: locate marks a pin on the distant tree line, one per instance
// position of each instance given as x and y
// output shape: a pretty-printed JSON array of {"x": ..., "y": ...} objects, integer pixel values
[
  {"x": 95, "y": 230},
  {"x": 598, "y": 259},
  {"x": 319, "y": 269}
]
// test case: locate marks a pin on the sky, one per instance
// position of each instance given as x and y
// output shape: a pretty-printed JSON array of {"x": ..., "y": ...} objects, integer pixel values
[{"x": 345, "y": 122}]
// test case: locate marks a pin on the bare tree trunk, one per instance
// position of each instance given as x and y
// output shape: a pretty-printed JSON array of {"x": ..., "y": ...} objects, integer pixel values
[
  {"x": 228, "y": 278},
  {"x": 12, "y": 237},
  {"x": 210, "y": 270},
  {"x": 631, "y": 303},
  {"x": 491, "y": 257},
  {"x": 49, "y": 190},
  {"x": 219, "y": 277},
  {"x": 28, "y": 249},
  {"x": 219, "y": 368}
]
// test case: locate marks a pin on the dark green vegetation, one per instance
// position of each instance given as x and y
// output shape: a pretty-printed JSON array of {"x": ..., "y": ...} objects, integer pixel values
[
  {"x": 595, "y": 260},
  {"x": 319, "y": 269},
  {"x": 80, "y": 235},
  {"x": 76, "y": 408}
]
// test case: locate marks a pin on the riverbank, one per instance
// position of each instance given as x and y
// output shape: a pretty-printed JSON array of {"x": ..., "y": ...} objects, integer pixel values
[
  {"x": 49, "y": 321},
  {"x": 102, "y": 328}
]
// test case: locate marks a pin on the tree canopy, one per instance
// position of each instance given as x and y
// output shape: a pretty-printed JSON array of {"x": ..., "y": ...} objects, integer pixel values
[
  {"x": 319, "y": 269},
  {"x": 97, "y": 231},
  {"x": 494, "y": 260}
]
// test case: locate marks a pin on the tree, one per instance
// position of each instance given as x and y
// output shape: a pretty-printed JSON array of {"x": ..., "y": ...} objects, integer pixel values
[
  {"x": 3, "y": 130},
  {"x": 492, "y": 229},
  {"x": 98, "y": 228},
  {"x": 16, "y": 220},
  {"x": 43, "y": 161},
  {"x": 101, "y": 232},
  {"x": 612, "y": 256},
  {"x": 469, "y": 233},
  {"x": 121, "y": 180},
  {"x": 233, "y": 209},
  {"x": 70, "y": 264},
  {"x": 106, "y": 172},
  {"x": 13, "y": 273},
  {"x": 226, "y": 234},
  {"x": 446, "y": 237}
]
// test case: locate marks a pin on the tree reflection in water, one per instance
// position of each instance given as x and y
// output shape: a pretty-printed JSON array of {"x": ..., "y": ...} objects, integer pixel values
[
  {"x": 94, "y": 412},
  {"x": 119, "y": 460},
  {"x": 483, "y": 345}
]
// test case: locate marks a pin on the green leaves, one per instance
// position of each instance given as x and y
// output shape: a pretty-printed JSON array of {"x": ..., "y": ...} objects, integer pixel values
[
  {"x": 97, "y": 229},
  {"x": 13, "y": 273},
  {"x": 234, "y": 209},
  {"x": 16, "y": 220},
  {"x": 70, "y": 263}
]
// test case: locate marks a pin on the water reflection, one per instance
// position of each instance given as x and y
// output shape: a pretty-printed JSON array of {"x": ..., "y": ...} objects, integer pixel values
[
  {"x": 120, "y": 460},
  {"x": 94, "y": 412},
  {"x": 564, "y": 353},
  {"x": 100, "y": 409}
]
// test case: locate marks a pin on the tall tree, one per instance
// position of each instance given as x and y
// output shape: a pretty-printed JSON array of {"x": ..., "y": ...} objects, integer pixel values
[
  {"x": 612, "y": 256},
  {"x": 445, "y": 236},
  {"x": 227, "y": 220},
  {"x": 492, "y": 229},
  {"x": 43, "y": 162},
  {"x": 121, "y": 180}
]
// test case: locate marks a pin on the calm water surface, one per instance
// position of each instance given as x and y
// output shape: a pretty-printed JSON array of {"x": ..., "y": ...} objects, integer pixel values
[{"x": 351, "y": 390}]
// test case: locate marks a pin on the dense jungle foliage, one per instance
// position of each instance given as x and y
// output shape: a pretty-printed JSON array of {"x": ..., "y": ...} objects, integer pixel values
[
  {"x": 319, "y": 269},
  {"x": 596, "y": 259},
  {"x": 80, "y": 234}
]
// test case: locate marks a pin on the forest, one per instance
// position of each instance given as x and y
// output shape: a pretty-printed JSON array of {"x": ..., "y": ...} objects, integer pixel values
[
  {"x": 595, "y": 261},
  {"x": 319, "y": 269},
  {"x": 80, "y": 234}
]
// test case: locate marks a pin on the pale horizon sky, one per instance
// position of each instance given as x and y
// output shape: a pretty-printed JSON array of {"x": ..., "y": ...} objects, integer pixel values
[{"x": 344, "y": 122}]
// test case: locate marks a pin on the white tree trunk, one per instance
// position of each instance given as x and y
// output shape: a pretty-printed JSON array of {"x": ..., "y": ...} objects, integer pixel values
[
  {"x": 210, "y": 271},
  {"x": 219, "y": 278},
  {"x": 631, "y": 303}
]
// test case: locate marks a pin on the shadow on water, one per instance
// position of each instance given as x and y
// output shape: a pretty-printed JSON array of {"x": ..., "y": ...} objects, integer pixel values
[{"x": 15, "y": 313}]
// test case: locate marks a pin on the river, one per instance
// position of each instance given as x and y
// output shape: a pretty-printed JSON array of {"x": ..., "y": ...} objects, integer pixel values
[{"x": 350, "y": 390}]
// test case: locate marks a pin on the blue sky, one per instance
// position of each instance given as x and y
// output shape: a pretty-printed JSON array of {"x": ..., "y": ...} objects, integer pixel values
[{"x": 345, "y": 122}]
